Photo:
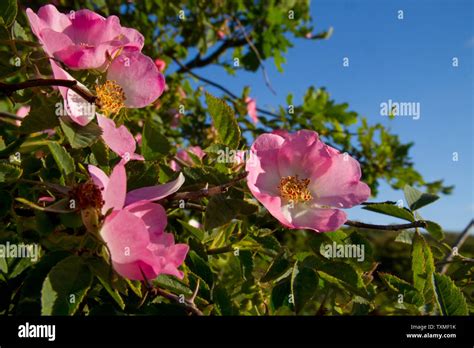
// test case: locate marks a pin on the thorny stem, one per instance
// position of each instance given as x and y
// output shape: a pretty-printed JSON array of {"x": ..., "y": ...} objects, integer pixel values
[{"x": 8, "y": 89}]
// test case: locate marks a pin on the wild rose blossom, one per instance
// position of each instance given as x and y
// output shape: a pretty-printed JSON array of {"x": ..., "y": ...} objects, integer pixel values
[
  {"x": 82, "y": 39},
  {"x": 86, "y": 40},
  {"x": 252, "y": 109},
  {"x": 303, "y": 182},
  {"x": 184, "y": 156},
  {"x": 134, "y": 231},
  {"x": 160, "y": 64}
]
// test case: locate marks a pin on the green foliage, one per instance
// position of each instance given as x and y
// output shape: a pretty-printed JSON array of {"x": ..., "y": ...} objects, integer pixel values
[
  {"x": 241, "y": 260},
  {"x": 223, "y": 119},
  {"x": 450, "y": 299},
  {"x": 65, "y": 287}
]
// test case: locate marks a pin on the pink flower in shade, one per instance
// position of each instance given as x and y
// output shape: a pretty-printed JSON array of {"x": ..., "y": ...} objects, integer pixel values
[
  {"x": 302, "y": 182},
  {"x": 22, "y": 112},
  {"x": 134, "y": 231},
  {"x": 183, "y": 155},
  {"x": 82, "y": 39},
  {"x": 160, "y": 64},
  {"x": 252, "y": 109}
]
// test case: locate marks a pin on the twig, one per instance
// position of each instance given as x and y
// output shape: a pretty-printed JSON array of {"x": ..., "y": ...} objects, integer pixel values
[
  {"x": 8, "y": 89},
  {"x": 457, "y": 245},
  {"x": 257, "y": 54},
  {"x": 186, "y": 303},
  {"x": 221, "y": 250},
  {"x": 386, "y": 227},
  {"x": 10, "y": 116},
  {"x": 198, "y": 62},
  {"x": 207, "y": 192}
]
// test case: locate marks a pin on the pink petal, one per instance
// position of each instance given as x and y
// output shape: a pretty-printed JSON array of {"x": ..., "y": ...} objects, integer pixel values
[
  {"x": 127, "y": 238},
  {"x": 152, "y": 214},
  {"x": 252, "y": 109},
  {"x": 134, "y": 38},
  {"x": 91, "y": 29},
  {"x": 78, "y": 109},
  {"x": 85, "y": 57},
  {"x": 303, "y": 154},
  {"x": 46, "y": 199},
  {"x": 47, "y": 17},
  {"x": 99, "y": 178},
  {"x": 116, "y": 189},
  {"x": 303, "y": 216},
  {"x": 340, "y": 185},
  {"x": 119, "y": 139},
  {"x": 155, "y": 193},
  {"x": 262, "y": 166},
  {"x": 160, "y": 64},
  {"x": 55, "y": 42},
  {"x": 138, "y": 76}
]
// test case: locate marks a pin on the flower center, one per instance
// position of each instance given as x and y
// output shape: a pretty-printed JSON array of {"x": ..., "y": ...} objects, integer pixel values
[
  {"x": 110, "y": 97},
  {"x": 87, "y": 195},
  {"x": 294, "y": 189}
]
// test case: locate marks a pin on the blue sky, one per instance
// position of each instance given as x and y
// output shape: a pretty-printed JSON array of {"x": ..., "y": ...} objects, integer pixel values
[{"x": 407, "y": 60}]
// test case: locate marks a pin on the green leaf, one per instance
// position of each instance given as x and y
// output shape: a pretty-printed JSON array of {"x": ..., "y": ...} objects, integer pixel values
[
  {"x": 417, "y": 199},
  {"x": 154, "y": 144},
  {"x": 8, "y": 11},
  {"x": 65, "y": 287},
  {"x": 224, "y": 121},
  {"x": 422, "y": 267},
  {"x": 196, "y": 232},
  {"x": 278, "y": 267},
  {"x": 100, "y": 152},
  {"x": 39, "y": 119},
  {"x": 63, "y": 159},
  {"x": 103, "y": 271},
  {"x": 172, "y": 284},
  {"x": 201, "y": 268},
  {"x": 405, "y": 236},
  {"x": 304, "y": 282},
  {"x": 221, "y": 210},
  {"x": 450, "y": 299},
  {"x": 435, "y": 230},
  {"x": 9, "y": 172},
  {"x": 222, "y": 299},
  {"x": 401, "y": 287},
  {"x": 281, "y": 294},
  {"x": 30, "y": 294},
  {"x": 391, "y": 210},
  {"x": 80, "y": 136},
  {"x": 342, "y": 275}
]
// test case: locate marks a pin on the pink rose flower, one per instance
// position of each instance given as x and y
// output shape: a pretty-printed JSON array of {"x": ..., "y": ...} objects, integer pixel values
[
  {"x": 82, "y": 39},
  {"x": 183, "y": 155},
  {"x": 160, "y": 64},
  {"x": 134, "y": 231},
  {"x": 252, "y": 109},
  {"x": 126, "y": 77},
  {"x": 302, "y": 182},
  {"x": 22, "y": 112}
]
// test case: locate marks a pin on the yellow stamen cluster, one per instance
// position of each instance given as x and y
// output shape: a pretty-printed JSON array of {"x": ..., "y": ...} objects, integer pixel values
[
  {"x": 294, "y": 190},
  {"x": 110, "y": 97}
]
